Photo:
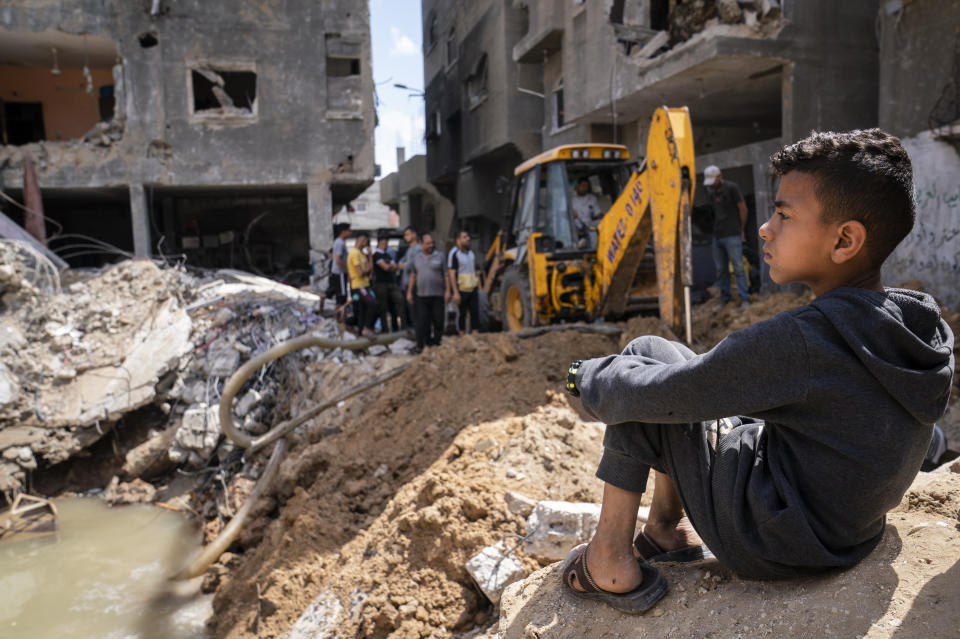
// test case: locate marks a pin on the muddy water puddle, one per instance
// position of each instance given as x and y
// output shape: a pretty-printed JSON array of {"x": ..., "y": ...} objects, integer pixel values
[{"x": 103, "y": 574}]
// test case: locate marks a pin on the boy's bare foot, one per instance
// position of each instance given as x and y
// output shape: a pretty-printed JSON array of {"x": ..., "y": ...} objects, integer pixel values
[
  {"x": 672, "y": 535},
  {"x": 613, "y": 570}
]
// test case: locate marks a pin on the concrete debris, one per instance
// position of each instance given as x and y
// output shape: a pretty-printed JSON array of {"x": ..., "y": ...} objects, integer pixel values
[
  {"x": 197, "y": 437},
  {"x": 494, "y": 568},
  {"x": 78, "y": 360},
  {"x": 134, "y": 492},
  {"x": 555, "y": 527},
  {"x": 320, "y": 620},
  {"x": 401, "y": 347},
  {"x": 729, "y": 11},
  {"x": 519, "y": 504}
]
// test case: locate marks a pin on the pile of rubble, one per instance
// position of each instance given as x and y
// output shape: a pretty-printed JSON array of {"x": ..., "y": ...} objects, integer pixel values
[
  {"x": 135, "y": 335},
  {"x": 690, "y": 18}
]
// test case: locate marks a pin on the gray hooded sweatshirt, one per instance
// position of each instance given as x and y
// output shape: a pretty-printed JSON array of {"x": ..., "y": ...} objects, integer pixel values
[{"x": 847, "y": 389}]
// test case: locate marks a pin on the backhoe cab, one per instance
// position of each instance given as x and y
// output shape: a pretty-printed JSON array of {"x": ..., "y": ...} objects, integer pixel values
[{"x": 541, "y": 270}]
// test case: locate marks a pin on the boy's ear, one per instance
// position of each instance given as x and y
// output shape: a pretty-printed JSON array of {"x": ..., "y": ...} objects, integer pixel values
[{"x": 851, "y": 241}]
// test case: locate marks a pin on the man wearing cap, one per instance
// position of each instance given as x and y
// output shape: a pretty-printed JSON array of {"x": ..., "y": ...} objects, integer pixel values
[{"x": 729, "y": 233}]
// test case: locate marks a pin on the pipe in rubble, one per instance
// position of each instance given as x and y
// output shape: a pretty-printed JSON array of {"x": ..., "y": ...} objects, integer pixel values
[{"x": 228, "y": 535}]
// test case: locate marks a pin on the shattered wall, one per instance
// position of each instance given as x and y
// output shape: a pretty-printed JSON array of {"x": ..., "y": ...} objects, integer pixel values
[
  {"x": 919, "y": 65},
  {"x": 219, "y": 94}
]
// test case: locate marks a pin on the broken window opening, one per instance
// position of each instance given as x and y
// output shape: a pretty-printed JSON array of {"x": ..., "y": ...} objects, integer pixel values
[
  {"x": 148, "y": 39},
  {"x": 433, "y": 29},
  {"x": 660, "y": 15},
  {"x": 230, "y": 92},
  {"x": 342, "y": 67},
  {"x": 477, "y": 82},
  {"x": 524, "y": 20},
  {"x": 452, "y": 46},
  {"x": 558, "y": 115},
  {"x": 616, "y": 12},
  {"x": 23, "y": 123}
]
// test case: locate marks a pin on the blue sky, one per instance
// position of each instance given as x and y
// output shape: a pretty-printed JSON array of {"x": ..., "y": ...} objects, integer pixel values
[{"x": 397, "y": 59}]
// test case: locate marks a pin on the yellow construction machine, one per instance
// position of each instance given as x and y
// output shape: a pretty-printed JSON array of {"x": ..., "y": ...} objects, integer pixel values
[{"x": 540, "y": 270}]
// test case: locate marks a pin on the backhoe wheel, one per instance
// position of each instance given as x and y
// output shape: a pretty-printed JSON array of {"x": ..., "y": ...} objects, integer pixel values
[{"x": 515, "y": 296}]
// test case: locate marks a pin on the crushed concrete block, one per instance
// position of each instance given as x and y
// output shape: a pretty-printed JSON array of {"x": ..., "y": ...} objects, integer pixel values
[
  {"x": 222, "y": 359},
  {"x": 555, "y": 527},
  {"x": 519, "y": 504},
  {"x": 245, "y": 403},
  {"x": 729, "y": 11},
  {"x": 104, "y": 394},
  {"x": 376, "y": 350},
  {"x": 150, "y": 457},
  {"x": 134, "y": 492},
  {"x": 10, "y": 336},
  {"x": 494, "y": 568},
  {"x": 321, "y": 619},
  {"x": 402, "y": 346},
  {"x": 9, "y": 387},
  {"x": 750, "y": 18},
  {"x": 197, "y": 437}
]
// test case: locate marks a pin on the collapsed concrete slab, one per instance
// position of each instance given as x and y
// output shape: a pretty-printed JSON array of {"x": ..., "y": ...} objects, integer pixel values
[{"x": 104, "y": 394}]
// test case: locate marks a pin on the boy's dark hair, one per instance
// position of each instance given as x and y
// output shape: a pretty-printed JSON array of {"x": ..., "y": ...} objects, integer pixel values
[
  {"x": 339, "y": 228},
  {"x": 360, "y": 234},
  {"x": 863, "y": 175},
  {"x": 410, "y": 228}
]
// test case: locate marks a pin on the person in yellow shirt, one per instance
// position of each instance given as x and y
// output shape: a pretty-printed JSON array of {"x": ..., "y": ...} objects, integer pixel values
[{"x": 360, "y": 265}]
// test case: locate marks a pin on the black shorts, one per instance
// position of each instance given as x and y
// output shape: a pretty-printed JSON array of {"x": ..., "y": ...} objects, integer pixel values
[{"x": 337, "y": 288}]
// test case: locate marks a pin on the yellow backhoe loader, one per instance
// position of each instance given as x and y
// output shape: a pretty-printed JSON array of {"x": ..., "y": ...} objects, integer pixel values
[{"x": 541, "y": 270}]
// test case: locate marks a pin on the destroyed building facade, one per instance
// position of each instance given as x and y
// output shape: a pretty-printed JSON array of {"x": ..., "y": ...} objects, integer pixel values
[
  {"x": 755, "y": 74},
  {"x": 226, "y": 133}
]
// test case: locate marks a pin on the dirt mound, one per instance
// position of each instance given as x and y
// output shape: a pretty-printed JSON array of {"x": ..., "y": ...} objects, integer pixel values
[{"x": 386, "y": 500}]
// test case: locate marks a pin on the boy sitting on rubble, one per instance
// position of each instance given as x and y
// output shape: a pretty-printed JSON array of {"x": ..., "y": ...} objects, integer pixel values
[{"x": 841, "y": 396}]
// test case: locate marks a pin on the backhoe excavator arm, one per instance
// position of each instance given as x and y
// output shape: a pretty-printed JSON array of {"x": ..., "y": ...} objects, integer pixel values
[{"x": 657, "y": 200}]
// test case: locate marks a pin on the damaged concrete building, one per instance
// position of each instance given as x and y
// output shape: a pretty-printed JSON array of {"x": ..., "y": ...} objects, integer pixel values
[
  {"x": 506, "y": 79},
  {"x": 224, "y": 133}
]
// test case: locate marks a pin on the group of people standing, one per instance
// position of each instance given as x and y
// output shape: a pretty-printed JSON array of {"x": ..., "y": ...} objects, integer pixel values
[{"x": 381, "y": 280}]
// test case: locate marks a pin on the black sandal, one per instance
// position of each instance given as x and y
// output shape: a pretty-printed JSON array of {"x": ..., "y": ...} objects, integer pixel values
[
  {"x": 650, "y": 551},
  {"x": 639, "y": 600}
]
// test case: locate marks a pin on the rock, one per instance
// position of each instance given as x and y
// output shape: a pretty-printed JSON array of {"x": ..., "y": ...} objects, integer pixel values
[
  {"x": 519, "y": 504},
  {"x": 377, "y": 349},
  {"x": 245, "y": 403},
  {"x": 150, "y": 458},
  {"x": 199, "y": 434},
  {"x": 729, "y": 11},
  {"x": 484, "y": 444},
  {"x": 555, "y": 527},
  {"x": 494, "y": 568},
  {"x": 401, "y": 347},
  {"x": 9, "y": 387},
  {"x": 134, "y": 492},
  {"x": 750, "y": 18},
  {"x": 222, "y": 359},
  {"x": 10, "y": 336},
  {"x": 320, "y": 620}
]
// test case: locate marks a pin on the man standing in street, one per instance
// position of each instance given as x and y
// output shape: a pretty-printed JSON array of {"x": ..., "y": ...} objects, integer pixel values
[
  {"x": 385, "y": 287},
  {"x": 729, "y": 233},
  {"x": 413, "y": 249},
  {"x": 462, "y": 271},
  {"x": 360, "y": 265},
  {"x": 429, "y": 280},
  {"x": 337, "y": 287}
]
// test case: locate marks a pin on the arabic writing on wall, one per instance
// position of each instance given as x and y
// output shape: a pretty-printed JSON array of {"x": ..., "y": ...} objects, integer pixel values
[{"x": 931, "y": 253}]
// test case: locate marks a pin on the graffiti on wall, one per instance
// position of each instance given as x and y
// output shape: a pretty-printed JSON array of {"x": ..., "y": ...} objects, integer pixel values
[{"x": 931, "y": 253}]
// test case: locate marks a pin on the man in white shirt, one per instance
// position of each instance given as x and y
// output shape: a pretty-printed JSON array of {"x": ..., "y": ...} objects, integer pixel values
[{"x": 586, "y": 208}]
